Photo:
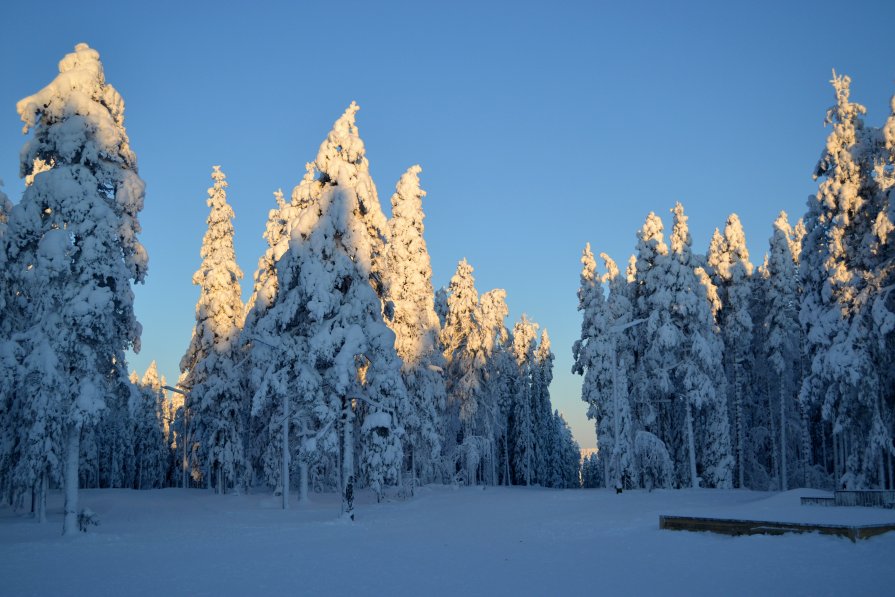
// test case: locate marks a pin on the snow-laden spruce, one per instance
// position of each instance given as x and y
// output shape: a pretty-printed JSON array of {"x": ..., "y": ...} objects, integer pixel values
[
  {"x": 595, "y": 356},
  {"x": 408, "y": 289},
  {"x": 73, "y": 253},
  {"x": 782, "y": 344},
  {"x": 524, "y": 422},
  {"x": 147, "y": 409},
  {"x": 330, "y": 346},
  {"x": 216, "y": 406},
  {"x": 842, "y": 281},
  {"x": 695, "y": 359},
  {"x": 731, "y": 271}
]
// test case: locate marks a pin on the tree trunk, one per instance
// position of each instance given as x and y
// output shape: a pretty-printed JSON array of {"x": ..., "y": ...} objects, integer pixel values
[
  {"x": 42, "y": 488},
  {"x": 303, "y": 469},
  {"x": 889, "y": 463},
  {"x": 836, "y": 459},
  {"x": 783, "y": 458},
  {"x": 741, "y": 432},
  {"x": 284, "y": 474},
  {"x": 691, "y": 443},
  {"x": 506, "y": 461},
  {"x": 775, "y": 455},
  {"x": 302, "y": 482},
  {"x": 72, "y": 455},
  {"x": 348, "y": 481},
  {"x": 806, "y": 445}
]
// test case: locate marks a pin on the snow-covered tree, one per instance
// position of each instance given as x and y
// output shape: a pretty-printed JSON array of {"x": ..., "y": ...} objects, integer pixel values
[
  {"x": 464, "y": 355},
  {"x": 567, "y": 455},
  {"x": 620, "y": 316},
  {"x": 595, "y": 354},
  {"x": 335, "y": 351},
  {"x": 217, "y": 409},
  {"x": 499, "y": 379},
  {"x": 150, "y": 444},
  {"x": 344, "y": 152},
  {"x": 782, "y": 343},
  {"x": 731, "y": 271},
  {"x": 651, "y": 378},
  {"x": 276, "y": 412},
  {"x": 524, "y": 430},
  {"x": 842, "y": 379},
  {"x": 547, "y": 450},
  {"x": 408, "y": 277},
  {"x": 73, "y": 254},
  {"x": 695, "y": 360}
]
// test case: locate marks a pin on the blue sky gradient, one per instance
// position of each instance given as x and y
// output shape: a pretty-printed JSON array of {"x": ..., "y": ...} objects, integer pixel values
[{"x": 539, "y": 126}]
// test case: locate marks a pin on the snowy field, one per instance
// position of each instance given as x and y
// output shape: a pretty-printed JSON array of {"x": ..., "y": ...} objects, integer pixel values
[{"x": 445, "y": 541}]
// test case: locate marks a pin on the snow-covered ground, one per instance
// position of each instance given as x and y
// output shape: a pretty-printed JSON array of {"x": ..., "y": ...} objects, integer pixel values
[{"x": 444, "y": 541}]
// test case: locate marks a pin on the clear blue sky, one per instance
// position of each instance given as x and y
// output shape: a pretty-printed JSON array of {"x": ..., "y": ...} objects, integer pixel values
[{"x": 539, "y": 126}]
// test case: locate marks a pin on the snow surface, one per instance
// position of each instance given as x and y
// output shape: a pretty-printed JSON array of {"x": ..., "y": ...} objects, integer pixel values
[{"x": 444, "y": 541}]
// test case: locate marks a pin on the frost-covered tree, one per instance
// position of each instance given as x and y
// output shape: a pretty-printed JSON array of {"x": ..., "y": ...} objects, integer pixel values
[
  {"x": 74, "y": 252},
  {"x": 651, "y": 379},
  {"x": 547, "y": 449},
  {"x": 731, "y": 271},
  {"x": 464, "y": 356},
  {"x": 441, "y": 306},
  {"x": 652, "y": 374},
  {"x": 842, "y": 380},
  {"x": 499, "y": 379},
  {"x": 620, "y": 315},
  {"x": 882, "y": 283},
  {"x": 150, "y": 445},
  {"x": 567, "y": 461},
  {"x": 265, "y": 279},
  {"x": 335, "y": 351},
  {"x": 344, "y": 151},
  {"x": 408, "y": 276},
  {"x": 8, "y": 360},
  {"x": 277, "y": 416},
  {"x": 782, "y": 339},
  {"x": 217, "y": 408},
  {"x": 524, "y": 422},
  {"x": 695, "y": 360},
  {"x": 596, "y": 355}
]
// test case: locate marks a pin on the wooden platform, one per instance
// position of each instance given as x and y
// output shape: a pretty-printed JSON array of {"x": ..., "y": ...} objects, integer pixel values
[
  {"x": 727, "y": 526},
  {"x": 869, "y": 498}
]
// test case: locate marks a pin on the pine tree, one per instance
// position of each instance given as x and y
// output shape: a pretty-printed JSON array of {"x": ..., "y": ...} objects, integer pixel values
[
  {"x": 841, "y": 381},
  {"x": 8, "y": 360},
  {"x": 782, "y": 332},
  {"x": 546, "y": 448},
  {"x": 595, "y": 353},
  {"x": 620, "y": 317},
  {"x": 215, "y": 404},
  {"x": 74, "y": 250},
  {"x": 333, "y": 347},
  {"x": 883, "y": 281},
  {"x": 524, "y": 422},
  {"x": 731, "y": 270},
  {"x": 495, "y": 400},
  {"x": 695, "y": 359},
  {"x": 463, "y": 353},
  {"x": 151, "y": 450},
  {"x": 651, "y": 380},
  {"x": 409, "y": 289},
  {"x": 274, "y": 406}
]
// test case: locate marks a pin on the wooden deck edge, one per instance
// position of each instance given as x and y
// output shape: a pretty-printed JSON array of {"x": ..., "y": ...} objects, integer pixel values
[{"x": 735, "y": 527}]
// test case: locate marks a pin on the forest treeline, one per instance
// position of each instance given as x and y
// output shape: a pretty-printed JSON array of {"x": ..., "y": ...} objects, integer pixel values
[{"x": 705, "y": 370}]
